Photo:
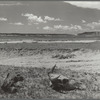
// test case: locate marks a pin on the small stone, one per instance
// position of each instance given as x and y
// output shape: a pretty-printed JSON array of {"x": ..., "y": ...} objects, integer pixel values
[
  {"x": 12, "y": 82},
  {"x": 83, "y": 87}
]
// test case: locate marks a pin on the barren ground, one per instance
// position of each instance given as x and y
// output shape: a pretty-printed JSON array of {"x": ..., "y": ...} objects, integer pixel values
[{"x": 34, "y": 60}]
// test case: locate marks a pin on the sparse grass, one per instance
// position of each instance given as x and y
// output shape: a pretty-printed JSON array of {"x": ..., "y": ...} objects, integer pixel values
[
  {"x": 36, "y": 84},
  {"x": 62, "y": 56}
]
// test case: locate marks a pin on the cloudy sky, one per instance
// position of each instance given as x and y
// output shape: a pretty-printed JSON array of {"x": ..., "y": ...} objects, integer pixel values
[{"x": 70, "y": 17}]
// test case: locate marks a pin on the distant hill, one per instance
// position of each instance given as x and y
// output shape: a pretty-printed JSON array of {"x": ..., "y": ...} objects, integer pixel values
[
  {"x": 89, "y": 34},
  {"x": 55, "y": 35},
  {"x": 37, "y": 34}
]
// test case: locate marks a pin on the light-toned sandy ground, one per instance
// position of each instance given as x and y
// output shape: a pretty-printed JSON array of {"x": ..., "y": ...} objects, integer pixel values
[
  {"x": 81, "y": 62},
  {"x": 32, "y": 40},
  {"x": 84, "y": 61}
]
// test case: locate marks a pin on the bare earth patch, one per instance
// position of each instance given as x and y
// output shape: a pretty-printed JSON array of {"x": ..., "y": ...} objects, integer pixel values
[
  {"x": 79, "y": 60},
  {"x": 82, "y": 65}
]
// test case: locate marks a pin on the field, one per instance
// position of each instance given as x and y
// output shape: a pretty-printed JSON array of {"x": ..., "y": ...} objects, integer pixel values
[{"x": 79, "y": 61}]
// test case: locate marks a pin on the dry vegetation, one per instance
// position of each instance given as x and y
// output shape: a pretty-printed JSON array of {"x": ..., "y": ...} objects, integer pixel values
[{"x": 36, "y": 84}]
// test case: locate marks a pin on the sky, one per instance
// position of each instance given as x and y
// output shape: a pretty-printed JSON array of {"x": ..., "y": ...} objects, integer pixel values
[{"x": 70, "y": 17}]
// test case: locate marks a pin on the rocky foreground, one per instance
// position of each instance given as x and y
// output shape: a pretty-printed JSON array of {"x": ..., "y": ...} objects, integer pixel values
[
  {"x": 24, "y": 71},
  {"x": 35, "y": 84}
]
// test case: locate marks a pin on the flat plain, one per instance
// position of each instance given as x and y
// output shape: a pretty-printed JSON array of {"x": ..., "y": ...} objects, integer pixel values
[{"x": 33, "y": 57}]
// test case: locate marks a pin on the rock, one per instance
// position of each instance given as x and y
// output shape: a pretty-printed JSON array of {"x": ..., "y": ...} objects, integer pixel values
[
  {"x": 72, "y": 82},
  {"x": 83, "y": 87},
  {"x": 60, "y": 83},
  {"x": 12, "y": 82}
]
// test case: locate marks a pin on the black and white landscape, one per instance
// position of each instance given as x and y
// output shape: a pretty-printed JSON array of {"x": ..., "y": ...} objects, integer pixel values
[{"x": 50, "y": 49}]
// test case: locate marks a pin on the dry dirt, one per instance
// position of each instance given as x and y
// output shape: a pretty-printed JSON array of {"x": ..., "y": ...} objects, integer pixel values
[
  {"x": 86, "y": 60},
  {"x": 34, "y": 63}
]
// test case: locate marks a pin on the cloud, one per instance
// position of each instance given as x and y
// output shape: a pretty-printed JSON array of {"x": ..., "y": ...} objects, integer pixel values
[
  {"x": 34, "y": 18},
  {"x": 3, "y": 19},
  {"x": 17, "y": 23},
  {"x": 93, "y": 25},
  {"x": 83, "y": 21},
  {"x": 48, "y": 28},
  {"x": 63, "y": 28},
  {"x": 47, "y": 18},
  {"x": 72, "y": 27},
  {"x": 10, "y": 4},
  {"x": 85, "y": 4}
]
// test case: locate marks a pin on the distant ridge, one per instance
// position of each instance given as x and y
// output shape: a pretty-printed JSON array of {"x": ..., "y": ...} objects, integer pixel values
[
  {"x": 90, "y": 34},
  {"x": 36, "y": 34},
  {"x": 84, "y": 34}
]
